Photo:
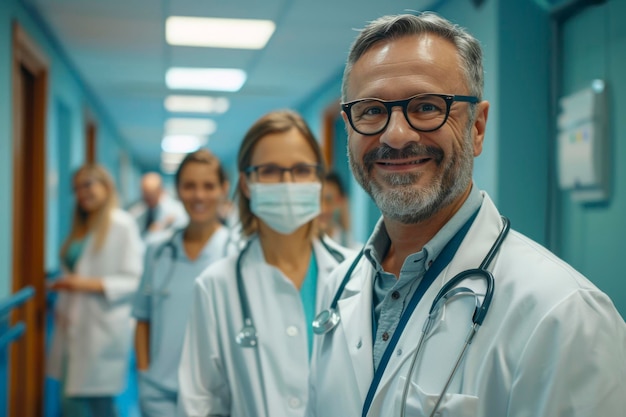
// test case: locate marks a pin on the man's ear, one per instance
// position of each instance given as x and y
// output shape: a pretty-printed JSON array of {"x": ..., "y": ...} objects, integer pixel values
[
  {"x": 346, "y": 122},
  {"x": 479, "y": 126}
]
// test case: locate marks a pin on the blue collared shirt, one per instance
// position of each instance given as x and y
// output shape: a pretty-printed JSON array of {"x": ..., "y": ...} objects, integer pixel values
[{"x": 391, "y": 294}]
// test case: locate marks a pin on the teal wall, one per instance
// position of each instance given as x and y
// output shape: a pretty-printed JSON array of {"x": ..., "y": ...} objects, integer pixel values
[
  {"x": 523, "y": 97},
  {"x": 6, "y": 173},
  {"x": 515, "y": 39},
  {"x": 482, "y": 23},
  {"x": 68, "y": 103},
  {"x": 593, "y": 236}
]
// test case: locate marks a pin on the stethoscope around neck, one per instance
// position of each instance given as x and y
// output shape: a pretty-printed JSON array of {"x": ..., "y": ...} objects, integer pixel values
[
  {"x": 171, "y": 246},
  {"x": 163, "y": 289},
  {"x": 247, "y": 336},
  {"x": 328, "y": 319}
]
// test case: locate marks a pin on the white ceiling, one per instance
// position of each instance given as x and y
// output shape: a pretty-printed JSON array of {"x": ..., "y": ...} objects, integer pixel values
[{"x": 118, "y": 47}]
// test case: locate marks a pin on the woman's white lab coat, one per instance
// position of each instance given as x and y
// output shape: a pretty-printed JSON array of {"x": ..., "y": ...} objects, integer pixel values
[
  {"x": 93, "y": 332},
  {"x": 551, "y": 345},
  {"x": 217, "y": 377}
]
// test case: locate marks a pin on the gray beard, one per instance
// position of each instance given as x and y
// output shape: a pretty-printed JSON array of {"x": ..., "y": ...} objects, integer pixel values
[{"x": 395, "y": 196}]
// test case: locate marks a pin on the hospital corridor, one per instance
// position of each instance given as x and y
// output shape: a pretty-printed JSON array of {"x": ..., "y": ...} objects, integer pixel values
[{"x": 287, "y": 208}]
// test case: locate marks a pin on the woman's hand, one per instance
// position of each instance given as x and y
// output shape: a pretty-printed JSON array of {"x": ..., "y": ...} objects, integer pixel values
[{"x": 73, "y": 282}]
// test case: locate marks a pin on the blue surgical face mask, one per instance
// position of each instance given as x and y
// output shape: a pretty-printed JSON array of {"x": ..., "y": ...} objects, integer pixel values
[{"x": 285, "y": 206}]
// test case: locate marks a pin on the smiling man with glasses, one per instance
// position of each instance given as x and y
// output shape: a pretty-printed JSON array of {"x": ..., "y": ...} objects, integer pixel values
[{"x": 551, "y": 343}]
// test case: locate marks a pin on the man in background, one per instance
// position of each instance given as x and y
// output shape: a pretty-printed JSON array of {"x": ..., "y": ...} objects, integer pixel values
[
  {"x": 157, "y": 212},
  {"x": 334, "y": 219}
]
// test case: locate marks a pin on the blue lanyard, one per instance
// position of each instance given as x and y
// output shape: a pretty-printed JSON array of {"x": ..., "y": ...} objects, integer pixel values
[{"x": 433, "y": 272}]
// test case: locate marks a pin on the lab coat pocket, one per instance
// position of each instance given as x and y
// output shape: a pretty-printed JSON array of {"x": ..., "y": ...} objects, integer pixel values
[{"x": 420, "y": 403}]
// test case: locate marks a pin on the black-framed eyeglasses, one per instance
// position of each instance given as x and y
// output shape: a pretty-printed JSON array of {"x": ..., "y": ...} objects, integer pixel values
[
  {"x": 275, "y": 173},
  {"x": 423, "y": 112}
]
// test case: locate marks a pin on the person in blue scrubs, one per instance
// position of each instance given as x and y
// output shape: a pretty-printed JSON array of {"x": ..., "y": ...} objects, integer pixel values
[
  {"x": 162, "y": 303},
  {"x": 280, "y": 271}
]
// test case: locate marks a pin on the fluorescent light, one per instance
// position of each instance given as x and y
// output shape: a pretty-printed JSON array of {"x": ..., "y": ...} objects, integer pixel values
[
  {"x": 172, "y": 157},
  {"x": 182, "y": 143},
  {"x": 170, "y": 161},
  {"x": 218, "y": 33},
  {"x": 217, "y": 79},
  {"x": 169, "y": 167},
  {"x": 196, "y": 104},
  {"x": 188, "y": 126}
]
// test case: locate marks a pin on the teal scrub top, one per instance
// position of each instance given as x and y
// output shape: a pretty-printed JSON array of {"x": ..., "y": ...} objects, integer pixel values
[
  {"x": 164, "y": 299},
  {"x": 308, "y": 293},
  {"x": 74, "y": 250}
]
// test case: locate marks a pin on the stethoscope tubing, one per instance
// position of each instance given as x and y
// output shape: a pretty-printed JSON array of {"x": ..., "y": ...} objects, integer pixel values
[
  {"x": 158, "y": 254},
  {"x": 162, "y": 289},
  {"x": 158, "y": 295},
  {"x": 478, "y": 317},
  {"x": 247, "y": 336}
]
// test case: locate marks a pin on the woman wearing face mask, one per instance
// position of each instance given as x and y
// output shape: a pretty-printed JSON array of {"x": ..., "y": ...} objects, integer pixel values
[
  {"x": 271, "y": 285},
  {"x": 101, "y": 258},
  {"x": 172, "y": 263}
]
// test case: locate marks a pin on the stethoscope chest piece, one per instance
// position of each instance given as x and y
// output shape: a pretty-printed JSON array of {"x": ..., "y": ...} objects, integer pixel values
[
  {"x": 326, "y": 321},
  {"x": 247, "y": 336}
]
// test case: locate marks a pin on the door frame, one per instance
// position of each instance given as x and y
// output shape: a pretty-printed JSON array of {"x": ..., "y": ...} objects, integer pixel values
[{"x": 28, "y": 353}]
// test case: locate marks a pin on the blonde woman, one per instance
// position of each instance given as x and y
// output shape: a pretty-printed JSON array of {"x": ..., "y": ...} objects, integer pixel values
[
  {"x": 246, "y": 351},
  {"x": 102, "y": 261}
]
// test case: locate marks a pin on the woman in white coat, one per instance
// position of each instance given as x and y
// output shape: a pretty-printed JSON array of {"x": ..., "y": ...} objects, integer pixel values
[
  {"x": 271, "y": 286},
  {"x": 102, "y": 261},
  {"x": 172, "y": 263}
]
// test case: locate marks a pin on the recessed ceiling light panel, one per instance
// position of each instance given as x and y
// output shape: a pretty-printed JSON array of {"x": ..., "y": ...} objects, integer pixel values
[
  {"x": 218, "y": 33},
  {"x": 215, "y": 79},
  {"x": 182, "y": 143},
  {"x": 196, "y": 104},
  {"x": 190, "y": 126}
]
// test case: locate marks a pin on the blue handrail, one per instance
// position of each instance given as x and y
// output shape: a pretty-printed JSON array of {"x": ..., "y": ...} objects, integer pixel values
[
  {"x": 6, "y": 306},
  {"x": 16, "y": 300},
  {"x": 13, "y": 333}
]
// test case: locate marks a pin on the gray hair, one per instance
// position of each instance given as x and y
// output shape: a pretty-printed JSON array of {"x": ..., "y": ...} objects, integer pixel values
[{"x": 398, "y": 26}]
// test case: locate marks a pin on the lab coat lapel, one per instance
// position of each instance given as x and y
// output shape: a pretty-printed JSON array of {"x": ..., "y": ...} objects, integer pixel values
[
  {"x": 356, "y": 323},
  {"x": 476, "y": 245}
]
